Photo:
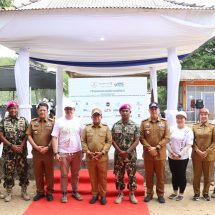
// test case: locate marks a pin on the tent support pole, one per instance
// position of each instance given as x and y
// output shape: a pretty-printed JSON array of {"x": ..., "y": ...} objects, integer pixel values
[
  {"x": 21, "y": 71},
  {"x": 153, "y": 83},
  {"x": 59, "y": 92},
  {"x": 173, "y": 78}
]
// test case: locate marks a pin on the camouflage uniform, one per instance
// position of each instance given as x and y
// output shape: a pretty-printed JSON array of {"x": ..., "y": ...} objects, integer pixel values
[
  {"x": 124, "y": 136},
  {"x": 14, "y": 130}
]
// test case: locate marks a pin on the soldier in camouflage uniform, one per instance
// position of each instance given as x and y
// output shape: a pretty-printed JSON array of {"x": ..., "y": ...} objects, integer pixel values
[
  {"x": 12, "y": 134},
  {"x": 125, "y": 135},
  {"x": 1, "y": 194}
]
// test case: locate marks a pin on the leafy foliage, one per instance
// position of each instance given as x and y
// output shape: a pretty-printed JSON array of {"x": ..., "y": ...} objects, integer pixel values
[
  {"x": 202, "y": 58},
  {"x": 7, "y": 61},
  {"x": 5, "y": 3},
  {"x": 66, "y": 83}
]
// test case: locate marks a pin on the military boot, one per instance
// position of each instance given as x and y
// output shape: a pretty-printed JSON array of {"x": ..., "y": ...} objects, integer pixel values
[
  {"x": 1, "y": 195},
  {"x": 119, "y": 198},
  {"x": 132, "y": 198},
  {"x": 8, "y": 196},
  {"x": 24, "y": 194}
]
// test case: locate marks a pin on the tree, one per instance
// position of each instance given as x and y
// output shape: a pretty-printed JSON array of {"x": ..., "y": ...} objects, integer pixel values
[
  {"x": 7, "y": 61},
  {"x": 5, "y": 3},
  {"x": 202, "y": 58}
]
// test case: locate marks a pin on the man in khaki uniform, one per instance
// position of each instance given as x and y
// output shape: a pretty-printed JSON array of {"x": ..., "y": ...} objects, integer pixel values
[
  {"x": 155, "y": 135},
  {"x": 39, "y": 135},
  {"x": 96, "y": 141},
  {"x": 203, "y": 154}
]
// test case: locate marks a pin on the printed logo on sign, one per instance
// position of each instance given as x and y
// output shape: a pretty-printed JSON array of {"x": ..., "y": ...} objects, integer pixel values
[{"x": 119, "y": 84}]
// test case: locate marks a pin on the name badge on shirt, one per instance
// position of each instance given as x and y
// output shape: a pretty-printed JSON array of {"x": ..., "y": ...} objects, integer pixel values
[{"x": 161, "y": 125}]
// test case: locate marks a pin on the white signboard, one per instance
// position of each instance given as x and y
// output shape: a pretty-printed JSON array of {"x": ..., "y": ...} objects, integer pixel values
[{"x": 109, "y": 94}]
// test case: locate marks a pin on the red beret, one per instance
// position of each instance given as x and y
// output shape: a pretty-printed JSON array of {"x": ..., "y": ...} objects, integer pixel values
[
  {"x": 125, "y": 106},
  {"x": 12, "y": 103}
]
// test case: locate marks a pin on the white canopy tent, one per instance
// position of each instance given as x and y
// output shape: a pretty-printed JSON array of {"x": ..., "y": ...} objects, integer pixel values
[{"x": 106, "y": 37}]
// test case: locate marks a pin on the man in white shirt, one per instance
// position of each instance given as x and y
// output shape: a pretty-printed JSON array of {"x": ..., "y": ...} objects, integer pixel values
[{"x": 68, "y": 150}]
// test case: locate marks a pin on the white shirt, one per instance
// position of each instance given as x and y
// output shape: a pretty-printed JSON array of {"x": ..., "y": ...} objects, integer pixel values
[
  {"x": 181, "y": 140},
  {"x": 68, "y": 132}
]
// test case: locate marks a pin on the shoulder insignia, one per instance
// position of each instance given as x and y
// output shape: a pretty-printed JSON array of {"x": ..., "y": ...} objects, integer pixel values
[
  {"x": 145, "y": 120},
  {"x": 34, "y": 119},
  {"x": 51, "y": 119},
  {"x": 104, "y": 124},
  {"x": 88, "y": 124},
  {"x": 163, "y": 119}
]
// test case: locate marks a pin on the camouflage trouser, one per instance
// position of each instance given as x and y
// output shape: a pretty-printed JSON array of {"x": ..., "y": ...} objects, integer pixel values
[
  {"x": 120, "y": 165},
  {"x": 17, "y": 164}
]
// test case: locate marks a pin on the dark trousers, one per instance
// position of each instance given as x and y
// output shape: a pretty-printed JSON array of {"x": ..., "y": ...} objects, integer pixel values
[{"x": 178, "y": 170}]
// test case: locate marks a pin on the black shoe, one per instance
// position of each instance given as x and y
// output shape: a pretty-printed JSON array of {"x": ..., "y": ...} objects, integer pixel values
[
  {"x": 161, "y": 199},
  {"x": 38, "y": 196},
  {"x": 49, "y": 197},
  {"x": 148, "y": 198},
  {"x": 206, "y": 197},
  {"x": 103, "y": 200},
  {"x": 196, "y": 197},
  {"x": 94, "y": 200}
]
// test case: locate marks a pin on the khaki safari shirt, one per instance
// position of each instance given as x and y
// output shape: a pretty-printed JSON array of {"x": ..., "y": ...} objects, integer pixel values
[
  {"x": 204, "y": 140},
  {"x": 96, "y": 139},
  {"x": 41, "y": 130},
  {"x": 154, "y": 134}
]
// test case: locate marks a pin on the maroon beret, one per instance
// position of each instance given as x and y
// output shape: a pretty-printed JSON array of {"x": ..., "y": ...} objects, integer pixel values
[
  {"x": 12, "y": 103},
  {"x": 125, "y": 106}
]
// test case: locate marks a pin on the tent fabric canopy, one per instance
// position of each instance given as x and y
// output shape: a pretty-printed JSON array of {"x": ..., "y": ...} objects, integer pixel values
[{"x": 99, "y": 35}]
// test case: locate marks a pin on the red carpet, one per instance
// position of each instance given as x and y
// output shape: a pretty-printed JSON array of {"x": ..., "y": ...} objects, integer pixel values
[{"x": 42, "y": 207}]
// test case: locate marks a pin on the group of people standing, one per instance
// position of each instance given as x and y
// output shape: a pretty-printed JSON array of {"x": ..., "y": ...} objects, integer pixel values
[{"x": 66, "y": 140}]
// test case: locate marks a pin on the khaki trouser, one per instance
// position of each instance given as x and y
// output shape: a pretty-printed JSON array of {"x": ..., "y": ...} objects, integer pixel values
[
  {"x": 157, "y": 167},
  {"x": 199, "y": 167},
  {"x": 98, "y": 176},
  {"x": 70, "y": 161},
  {"x": 44, "y": 166}
]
